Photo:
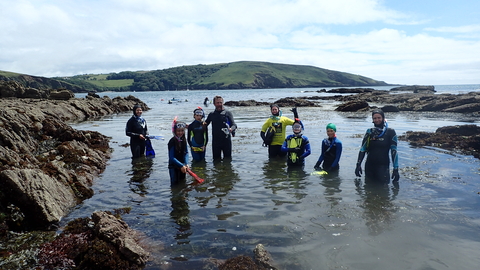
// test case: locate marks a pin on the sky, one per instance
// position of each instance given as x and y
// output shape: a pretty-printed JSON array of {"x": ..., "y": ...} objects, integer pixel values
[{"x": 426, "y": 42}]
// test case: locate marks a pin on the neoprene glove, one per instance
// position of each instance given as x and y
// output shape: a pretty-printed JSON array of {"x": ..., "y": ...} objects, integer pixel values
[
  {"x": 395, "y": 175},
  {"x": 317, "y": 165},
  {"x": 358, "y": 170}
]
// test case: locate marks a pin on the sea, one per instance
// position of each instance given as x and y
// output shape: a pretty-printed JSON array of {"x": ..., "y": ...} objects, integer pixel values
[{"x": 430, "y": 220}]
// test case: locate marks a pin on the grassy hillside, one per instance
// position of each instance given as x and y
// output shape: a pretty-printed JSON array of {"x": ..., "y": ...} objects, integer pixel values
[{"x": 235, "y": 75}]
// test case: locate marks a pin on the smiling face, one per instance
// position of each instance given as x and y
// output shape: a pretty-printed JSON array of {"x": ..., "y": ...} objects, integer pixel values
[
  {"x": 179, "y": 132},
  {"x": 275, "y": 110},
  {"x": 377, "y": 119},
  {"x": 138, "y": 112},
  {"x": 330, "y": 133},
  {"x": 218, "y": 104}
]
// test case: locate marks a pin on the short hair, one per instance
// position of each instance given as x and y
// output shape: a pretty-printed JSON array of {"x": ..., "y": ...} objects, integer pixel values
[{"x": 216, "y": 97}]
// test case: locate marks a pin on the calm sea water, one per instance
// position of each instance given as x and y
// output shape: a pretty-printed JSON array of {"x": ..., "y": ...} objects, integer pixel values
[{"x": 430, "y": 221}]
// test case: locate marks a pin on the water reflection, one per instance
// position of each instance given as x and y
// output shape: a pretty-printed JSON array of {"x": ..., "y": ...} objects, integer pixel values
[
  {"x": 141, "y": 170},
  {"x": 280, "y": 177},
  {"x": 377, "y": 202},
  {"x": 332, "y": 182},
  {"x": 180, "y": 214}
]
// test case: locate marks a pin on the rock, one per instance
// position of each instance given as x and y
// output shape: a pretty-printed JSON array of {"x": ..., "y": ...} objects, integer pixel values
[
  {"x": 351, "y": 90},
  {"x": 353, "y": 106},
  {"x": 46, "y": 166},
  {"x": 295, "y": 102},
  {"x": 415, "y": 88},
  {"x": 464, "y": 138},
  {"x": 117, "y": 232},
  {"x": 61, "y": 94},
  {"x": 262, "y": 257},
  {"x": 390, "y": 108}
]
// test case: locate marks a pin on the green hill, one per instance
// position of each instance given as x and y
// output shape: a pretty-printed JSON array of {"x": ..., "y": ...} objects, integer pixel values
[{"x": 235, "y": 75}]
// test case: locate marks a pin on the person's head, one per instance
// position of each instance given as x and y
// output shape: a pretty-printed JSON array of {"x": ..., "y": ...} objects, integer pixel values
[
  {"x": 297, "y": 129},
  {"x": 378, "y": 118},
  {"x": 218, "y": 102},
  {"x": 275, "y": 109},
  {"x": 198, "y": 114},
  {"x": 331, "y": 130},
  {"x": 179, "y": 129},
  {"x": 137, "y": 110}
]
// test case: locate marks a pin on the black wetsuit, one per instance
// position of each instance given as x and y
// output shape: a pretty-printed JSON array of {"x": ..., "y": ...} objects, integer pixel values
[
  {"x": 378, "y": 162},
  {"x": 135, "y": 127},
  {"x": 221, "y": 141},
  {"x": 197, "y": 138},
  {"x": 177, "y": 158}
]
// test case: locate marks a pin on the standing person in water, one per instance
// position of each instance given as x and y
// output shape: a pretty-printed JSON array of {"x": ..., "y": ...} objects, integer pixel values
[
  {"x": 197, "y": 137},
  {"x": 223, "y": 128},
  {"x": 377, "y": 142},
  {"x": 297, "y": 146},
  {"x": 331, "y": 151},
  {"x": 274, "y": 130},
  {"x": 136, "y": 129},
  {"x": 177, "y": 154}
]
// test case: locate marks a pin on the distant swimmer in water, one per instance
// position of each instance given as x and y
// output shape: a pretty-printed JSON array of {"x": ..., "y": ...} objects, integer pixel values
[{"x": 206, "y": 101}]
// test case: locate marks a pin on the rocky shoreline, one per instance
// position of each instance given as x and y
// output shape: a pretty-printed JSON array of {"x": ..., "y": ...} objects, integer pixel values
[{"x": 47, "y": 167}]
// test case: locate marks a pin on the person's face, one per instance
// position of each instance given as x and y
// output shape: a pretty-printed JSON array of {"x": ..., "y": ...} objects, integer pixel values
[
  {"x": 330, "y": 133},
  {"x": 198, "y": 117},
  {"x": 377, "y": 119},
  {"x": 275, "y": 110},
  {"x": 219, "y": 103},
  {"x": 179, "y": 132},
  {"x": 138, "y": 112}
]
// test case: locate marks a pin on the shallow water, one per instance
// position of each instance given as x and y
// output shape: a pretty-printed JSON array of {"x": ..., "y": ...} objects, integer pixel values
[{"x": 430, "y": 221}]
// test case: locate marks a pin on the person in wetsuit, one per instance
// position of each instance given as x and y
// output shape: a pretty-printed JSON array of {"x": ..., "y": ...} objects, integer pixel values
[
  {"x": 223, "y": 128},
  {"x": 279, "y": 125},
  {"x": 331, "y": 151},
  {"x": 177, "y": 154},
  {"x": 376, "y": 143},
  {"x": 297, "y": 146},
  {"x": 136, "y": 129},
  {"x": 197, "y": 137}
]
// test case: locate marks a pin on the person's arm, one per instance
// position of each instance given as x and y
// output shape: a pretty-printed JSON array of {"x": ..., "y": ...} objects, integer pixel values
[
  {"x": 189, "y": 130},
  {"x": 233, "y": 126},
  {"x": 284, "y": 146},
  {"x": 393, "y": 151},
  {"x": 338, "y": 153},
  {"x": 307, "y": 151},
  {"x": 361, "y": 153},
  {"x": 320, "y": 159},
  {"x": 205, "y": 130},
  {"x": 171, "y": 157}
]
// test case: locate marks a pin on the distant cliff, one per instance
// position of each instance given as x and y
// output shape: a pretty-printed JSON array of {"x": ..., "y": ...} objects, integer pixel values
[{"x": 235, "y": 75}]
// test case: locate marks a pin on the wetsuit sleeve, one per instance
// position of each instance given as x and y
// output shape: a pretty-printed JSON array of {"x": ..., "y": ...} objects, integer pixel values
[
  {"x": 129, "y": 128},
  {"x": 206, "y": 134},
  {"x": 393, "y": 150},
  {"x": 233, "y": 126},
  {"x": 338, "y": 153},
  {"x": 171, "y": 157},
  {"x": 189, "y": 131},
  {"x": 364, "y": 147},
  {"x": 324, "y": 146},
  {"x": 308, "y": 150},
  {"x": 284, "y": 146},
  {"x": 209, "y": 119}
]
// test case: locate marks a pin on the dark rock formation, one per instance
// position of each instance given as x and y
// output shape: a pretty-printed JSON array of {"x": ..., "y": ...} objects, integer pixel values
[
  {"x": 250, "y": 102},
  {"x": 353, "y": 106},
  {"x": 262, "y": 261},
  {"x": 46, "y": 166},
  {"x": 464, "y": 138},
  {"x": 462, "y": 103},
  {"x": 351, "y": 90},
  {"x": 15, "y": 89},
  {"x": 100, "y": 242},
  {"x": 416, "y": 88}
]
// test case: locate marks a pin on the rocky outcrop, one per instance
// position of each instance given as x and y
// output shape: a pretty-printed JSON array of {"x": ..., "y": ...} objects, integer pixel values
[
  {"x": 16, "y": 89},
  {"x": 103, "y": 241},
  {"x": 416, "y": 88},
  {"x": 463, "y": 138},
  {"x": 46, "y": 166},
  {"x": 461, "y": 103}
]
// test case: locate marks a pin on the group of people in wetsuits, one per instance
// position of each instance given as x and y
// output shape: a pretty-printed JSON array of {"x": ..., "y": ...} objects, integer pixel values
[{"x": 377, "y": 142}]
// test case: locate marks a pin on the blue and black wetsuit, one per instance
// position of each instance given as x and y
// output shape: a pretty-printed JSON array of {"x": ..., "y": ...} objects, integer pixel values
[
  {"x": 376, "y": 144},
  {"x": 177, "y": 158},
  {"x": 197, "y": 138},
  {"x": 221, "y": 138},
  {"x": 331, "y": 152},
  {"x": 136, "y": 126},
  {"x": 298, "y": 148}
]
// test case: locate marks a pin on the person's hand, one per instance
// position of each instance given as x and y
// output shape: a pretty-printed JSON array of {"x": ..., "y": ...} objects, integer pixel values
[
  {"x": 395, "y": 175},
  {"x": 294, "y": 110},
  {"x": 141, "y": 137},
  {"x": 358, "y": 170},
  {"x": 317, "y": 166},
  {"x": 183, "y": 169}
]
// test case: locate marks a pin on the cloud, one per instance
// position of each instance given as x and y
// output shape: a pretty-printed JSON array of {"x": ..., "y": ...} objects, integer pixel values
[{"x": 57, "y": 37}]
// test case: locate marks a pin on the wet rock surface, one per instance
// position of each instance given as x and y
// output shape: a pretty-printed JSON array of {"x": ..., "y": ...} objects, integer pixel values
[
  {"x": 46, "y": 166},
  {"x": 461, "y": 138}
]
